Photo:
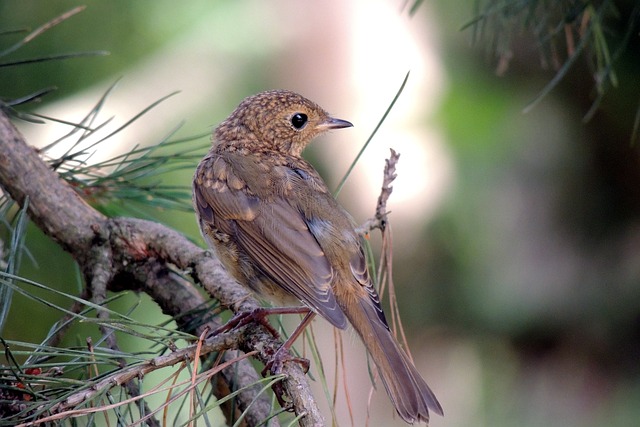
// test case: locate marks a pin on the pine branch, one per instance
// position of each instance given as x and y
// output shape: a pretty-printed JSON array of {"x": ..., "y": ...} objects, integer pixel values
[
  {"x": 142, "y": 256},
  {"x": 564, "y": 31},
  {"x": 66, "y": 407}
]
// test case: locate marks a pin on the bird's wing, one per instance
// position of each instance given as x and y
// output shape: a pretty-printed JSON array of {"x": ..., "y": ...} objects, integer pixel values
[
  {"x": 358, "y": 265},
  {"x": 275, "y": 236}
]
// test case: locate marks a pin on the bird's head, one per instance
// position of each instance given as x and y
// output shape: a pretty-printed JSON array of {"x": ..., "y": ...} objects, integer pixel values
[{"x": 278, "y": 120}]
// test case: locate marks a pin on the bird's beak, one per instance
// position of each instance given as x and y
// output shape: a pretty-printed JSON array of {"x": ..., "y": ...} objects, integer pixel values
[{"x": 332, "y": 123}]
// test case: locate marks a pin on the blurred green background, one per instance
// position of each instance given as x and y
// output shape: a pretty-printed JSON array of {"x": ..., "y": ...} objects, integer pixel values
[{"x": 516, "y": 235}]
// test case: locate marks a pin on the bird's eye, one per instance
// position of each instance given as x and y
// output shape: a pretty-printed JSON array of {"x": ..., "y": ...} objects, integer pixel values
[{"x": 299, "y": 120}]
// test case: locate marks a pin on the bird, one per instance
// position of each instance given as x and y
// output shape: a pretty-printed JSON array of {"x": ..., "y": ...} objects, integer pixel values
[{"x": 277, "y": 229}]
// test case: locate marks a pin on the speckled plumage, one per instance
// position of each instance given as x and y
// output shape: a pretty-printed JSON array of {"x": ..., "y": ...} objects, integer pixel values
[{"x": 278, "y": 230}]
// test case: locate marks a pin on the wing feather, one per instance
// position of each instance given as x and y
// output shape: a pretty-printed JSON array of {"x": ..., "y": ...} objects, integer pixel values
[{"x": 274, "y": 235}]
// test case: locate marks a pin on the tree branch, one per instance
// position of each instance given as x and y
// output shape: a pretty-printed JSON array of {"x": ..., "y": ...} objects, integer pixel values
[
  {"x": 142, "y": 256},
  {"x": 53, "y": 206}
]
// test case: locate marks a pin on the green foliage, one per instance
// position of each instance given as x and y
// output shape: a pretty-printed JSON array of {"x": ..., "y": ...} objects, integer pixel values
[
  {"x": 137, "y": 176},
  {"x": 564, "y": 31},
  {"x": 8, "y": 62},
  {"x": 117, "y": 184}
]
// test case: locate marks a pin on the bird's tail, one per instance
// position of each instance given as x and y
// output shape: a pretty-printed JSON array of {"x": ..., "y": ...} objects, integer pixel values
[{"x": 409, "y": 393}]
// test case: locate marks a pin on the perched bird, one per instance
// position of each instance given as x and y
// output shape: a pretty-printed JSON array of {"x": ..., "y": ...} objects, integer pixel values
[{"x": 277, "y": 229}]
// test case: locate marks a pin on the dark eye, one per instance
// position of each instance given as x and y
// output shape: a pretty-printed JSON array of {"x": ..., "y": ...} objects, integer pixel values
[{"x": 299, "y": 120}]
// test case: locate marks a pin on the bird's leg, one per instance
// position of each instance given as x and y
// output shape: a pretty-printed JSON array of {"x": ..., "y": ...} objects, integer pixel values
[
  {"x": 282, "y": 354},
  {"x": 276, "y": 362},
  {"x": 258, "y": 315}
]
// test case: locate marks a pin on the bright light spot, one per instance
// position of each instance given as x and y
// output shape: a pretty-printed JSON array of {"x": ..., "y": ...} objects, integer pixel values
[
  {"x": 385, "y": 44},
  {"x": 424, "y": 172}
]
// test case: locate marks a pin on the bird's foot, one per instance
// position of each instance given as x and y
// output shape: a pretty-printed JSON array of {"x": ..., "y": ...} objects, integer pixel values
[
  {"x": 275, "y": 366},
  {"x": 243, "y": 318},
  {"x": 280, "y": 393},
  {"x": 276, "y": 362},
  {"x": 279, "y": 358}
]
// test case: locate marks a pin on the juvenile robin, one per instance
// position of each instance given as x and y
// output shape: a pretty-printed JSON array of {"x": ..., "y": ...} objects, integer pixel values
[{"x": 277, "y": 229}]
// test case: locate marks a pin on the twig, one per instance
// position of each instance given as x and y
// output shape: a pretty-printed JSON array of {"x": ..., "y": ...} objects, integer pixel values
[
  {"x": 380, "y": 218},
  {"x": 122, "y": 376},
  {"x": 63, "y": 410}
]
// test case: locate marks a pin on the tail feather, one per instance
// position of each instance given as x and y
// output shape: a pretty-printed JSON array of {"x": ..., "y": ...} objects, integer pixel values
[{"x": 409, "y": 393}]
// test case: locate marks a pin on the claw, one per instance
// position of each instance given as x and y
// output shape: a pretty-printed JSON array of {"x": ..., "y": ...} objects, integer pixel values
[
  {"x": 275, "y": 365},
  {"x": 258, "y": 315},
  {"x": 279, "y": 358},
  {"x": 276, "y": 362}
]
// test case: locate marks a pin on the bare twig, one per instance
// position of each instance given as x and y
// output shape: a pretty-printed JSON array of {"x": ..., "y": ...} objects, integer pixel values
[{"x": 380, "y": 218}]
